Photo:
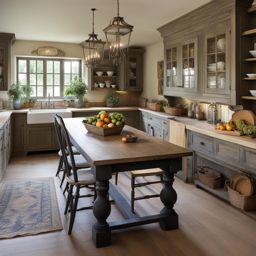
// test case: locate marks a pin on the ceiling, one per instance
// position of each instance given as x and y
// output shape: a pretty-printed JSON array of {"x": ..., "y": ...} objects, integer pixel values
[{"x": 70, "y": 20}]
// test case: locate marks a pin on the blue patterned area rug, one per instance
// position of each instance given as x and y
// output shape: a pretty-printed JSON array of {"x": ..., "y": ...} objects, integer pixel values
[{"x": 28, "y": 207}]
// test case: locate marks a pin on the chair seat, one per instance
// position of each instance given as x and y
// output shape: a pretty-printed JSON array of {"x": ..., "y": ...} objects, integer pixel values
[
  {"x": 85, "y": 177},
  {"x": 80, "y": 162},
  {"x": 75, "y": 151},
  {"x": 147, "y": 172}
]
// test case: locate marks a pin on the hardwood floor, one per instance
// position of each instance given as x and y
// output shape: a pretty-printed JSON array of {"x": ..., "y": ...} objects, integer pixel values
[{"x": 208, "y": 226}]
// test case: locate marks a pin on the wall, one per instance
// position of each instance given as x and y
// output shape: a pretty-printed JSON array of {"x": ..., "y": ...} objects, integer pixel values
[
  {"x": 152, "y": 55},
  {"x": 24, "y": 48}
]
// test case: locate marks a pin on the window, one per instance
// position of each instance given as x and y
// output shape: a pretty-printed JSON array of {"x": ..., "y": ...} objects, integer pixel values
[{"x": 47, "y": 76}]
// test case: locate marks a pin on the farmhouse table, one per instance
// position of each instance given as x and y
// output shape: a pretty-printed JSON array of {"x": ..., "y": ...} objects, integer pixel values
[{"x": 108, "y": 155}]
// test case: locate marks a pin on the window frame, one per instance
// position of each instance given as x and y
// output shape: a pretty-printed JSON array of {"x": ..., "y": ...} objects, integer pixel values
[{"x": 45, "y": 59}]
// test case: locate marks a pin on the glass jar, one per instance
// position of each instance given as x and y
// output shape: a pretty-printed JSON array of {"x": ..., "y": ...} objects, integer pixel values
[{"x": 212, "y": 113}]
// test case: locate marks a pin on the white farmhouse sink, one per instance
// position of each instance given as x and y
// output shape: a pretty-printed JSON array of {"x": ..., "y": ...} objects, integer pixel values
[{"x": 43, "y": 116}]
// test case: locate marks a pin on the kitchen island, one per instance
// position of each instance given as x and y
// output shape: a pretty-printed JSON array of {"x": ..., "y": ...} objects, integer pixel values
[{"x": 108, "y": 155}]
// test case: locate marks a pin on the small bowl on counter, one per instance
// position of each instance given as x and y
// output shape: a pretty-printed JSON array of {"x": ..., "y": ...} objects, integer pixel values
[
  {"x": 253, "y": 92},
  {"x": 101, "y": 85}
]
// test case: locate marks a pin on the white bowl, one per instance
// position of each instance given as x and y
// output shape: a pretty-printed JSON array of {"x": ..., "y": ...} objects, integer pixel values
[
  {"x": 110, "y": 73},
  {"x": 101, "y": 85},
  {"x": 99, "y": 73},
  {"x": 253, "y": 53},
  {"x": 221, "y": 43},
  {"x": 253, "y": 92},
  {"x": 251, "y": 75},
  {"x": 113, "y": 85},
  {"x": 108, "y": 84}
]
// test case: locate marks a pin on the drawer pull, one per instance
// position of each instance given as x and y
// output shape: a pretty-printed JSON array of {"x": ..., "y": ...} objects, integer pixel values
[{"x": 202, "y": 143}]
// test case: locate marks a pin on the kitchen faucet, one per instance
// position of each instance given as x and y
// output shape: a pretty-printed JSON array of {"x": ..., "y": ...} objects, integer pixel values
[{"x": 49, "y": 101}]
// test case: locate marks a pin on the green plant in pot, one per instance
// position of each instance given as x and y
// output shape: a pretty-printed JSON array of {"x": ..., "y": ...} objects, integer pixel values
[
  {"x": 15, "y": 94},
  {"x": 113, "y": 100},
  {"x": 77, "y": 89},
  {"x": 28, "y": 100}
]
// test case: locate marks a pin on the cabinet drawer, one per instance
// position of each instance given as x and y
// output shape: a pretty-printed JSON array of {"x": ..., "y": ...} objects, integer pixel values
[
  {"x": 228, "y": 152},
  {"x": 250, "y": 159},
  {"x": 201, "y": 143}
]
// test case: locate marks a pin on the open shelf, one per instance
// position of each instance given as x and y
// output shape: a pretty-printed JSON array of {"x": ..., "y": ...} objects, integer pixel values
[
  {"x": 249, "y": 32},
  {"x": 250, "y": 79},
  {"x": 250, "y": 59},
  {"x": 249, "y": 97}
]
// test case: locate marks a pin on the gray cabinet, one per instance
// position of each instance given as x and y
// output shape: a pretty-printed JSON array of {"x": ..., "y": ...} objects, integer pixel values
[
  {"x": 131, "y": 70},
  {"x": 155, "y": 125},
  {"x": 226, "y": 157},
  {"x": 208, "y": 40},
  {"x": 40, "y": 137},
  {"x": 5, "y": 145},
  {"x": 19, "y": 123}
]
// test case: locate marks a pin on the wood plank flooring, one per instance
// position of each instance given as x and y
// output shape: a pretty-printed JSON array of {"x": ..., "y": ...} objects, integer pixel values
[{"x": 208, "y": 226}]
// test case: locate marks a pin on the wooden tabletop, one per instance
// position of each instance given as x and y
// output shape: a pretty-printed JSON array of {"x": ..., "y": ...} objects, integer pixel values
[{"x": 101, "y": 150}]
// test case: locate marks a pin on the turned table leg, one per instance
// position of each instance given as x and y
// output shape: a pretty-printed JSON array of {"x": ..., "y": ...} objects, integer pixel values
[
  {"x": 101, "y": 233},
  {"x": 169, "y": 197}
]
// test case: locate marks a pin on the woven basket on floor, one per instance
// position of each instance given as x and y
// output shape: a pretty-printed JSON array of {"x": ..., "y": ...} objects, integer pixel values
[{"x": 209, "y": 177}]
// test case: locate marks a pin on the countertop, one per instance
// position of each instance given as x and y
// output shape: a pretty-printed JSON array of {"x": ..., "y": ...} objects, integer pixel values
[
  {"x": 191, "y": 124},
  {"x": 4, "y": 117}
]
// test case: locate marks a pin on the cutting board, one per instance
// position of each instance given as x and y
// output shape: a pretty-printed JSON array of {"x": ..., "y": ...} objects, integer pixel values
[
  {"x": 233, "y": 133},
  {"x": 177, "y": 133},
  {"x": 245, "y": 115}
]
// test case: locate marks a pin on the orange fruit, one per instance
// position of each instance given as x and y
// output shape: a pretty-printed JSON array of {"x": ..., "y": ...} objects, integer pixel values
[
  {"x": 99, "y": 124},
  {"x": 106, "y": 120},
  {"x": 103, "y": 116}
]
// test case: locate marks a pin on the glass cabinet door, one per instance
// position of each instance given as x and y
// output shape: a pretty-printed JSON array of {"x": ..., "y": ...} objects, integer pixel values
[
  {"x": 132, "y": 63},
  {"x": 216, "y": 62},
  {"x": 171, "y": 69},
  {"x": 1, "y": 67},
  {"x": 188, "y": 65}
]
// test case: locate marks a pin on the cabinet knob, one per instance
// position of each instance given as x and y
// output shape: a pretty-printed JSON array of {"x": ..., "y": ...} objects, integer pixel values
[{"x": 202, "y": 143}]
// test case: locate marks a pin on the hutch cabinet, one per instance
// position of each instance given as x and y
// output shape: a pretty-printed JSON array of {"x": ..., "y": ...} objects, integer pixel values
[
  {"x": 6, "y": 40},
  {"x": 203, "y": 53},
  {"x": 131, "y": 70}
]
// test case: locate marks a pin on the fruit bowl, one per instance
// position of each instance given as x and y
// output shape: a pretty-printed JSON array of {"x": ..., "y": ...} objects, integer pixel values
[{"x": 116, "y": 130}]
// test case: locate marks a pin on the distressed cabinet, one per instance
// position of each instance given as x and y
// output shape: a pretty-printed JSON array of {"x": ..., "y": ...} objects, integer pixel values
[
  {"x": 6, "y": 40},
  {"x": 19, "y": 123},
  {"x": 208, "y": 40},
  {"x": 131, "y": 70},
  {"x": 5, "y": 146},
  {"x": 155, "y": 125}
]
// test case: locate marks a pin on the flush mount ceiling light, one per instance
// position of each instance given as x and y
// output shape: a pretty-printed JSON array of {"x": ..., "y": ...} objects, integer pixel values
[
  {"x": 118, "y": 35},
  {"x": 93, "y": 48}
]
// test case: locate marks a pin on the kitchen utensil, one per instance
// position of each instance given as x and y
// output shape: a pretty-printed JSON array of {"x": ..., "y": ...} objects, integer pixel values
[
  {"x": 253, "y": 53},
  {"x": 247, "y": 115},
  {"x": 253, "y": 92},
  {"x": 108, "y": 84},
  {"x": 113, "y": 85},
  {"x": 212, "y": 113},
  {"x": 102, "y": 85}
]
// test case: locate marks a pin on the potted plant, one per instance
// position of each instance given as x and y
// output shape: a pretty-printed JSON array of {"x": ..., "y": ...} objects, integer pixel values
[
  {"x": 15, "y": 94},
  {"x": 112, "y": 100},
  {"x": 27, "y": 99},
  {"x": 77, "y": 89}
]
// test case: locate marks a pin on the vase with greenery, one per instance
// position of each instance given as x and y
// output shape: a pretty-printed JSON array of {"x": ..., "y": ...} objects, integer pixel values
[
  {"x": 76, "y": 90},
  {"x": 27, "y": 99},
  {"x": 113, "y": 100},
  {"x": 15, "y": 94}
]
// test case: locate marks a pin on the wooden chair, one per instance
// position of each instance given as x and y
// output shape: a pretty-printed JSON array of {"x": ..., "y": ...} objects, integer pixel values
[
  {"x": 76, "y": 177},
  {"x": 135, "y": 184}
]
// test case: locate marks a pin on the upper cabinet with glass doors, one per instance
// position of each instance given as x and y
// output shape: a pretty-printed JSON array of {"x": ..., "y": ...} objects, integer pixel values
[
  {"x": 217, "y": 63},
  {"x": 181, "y": 68}
]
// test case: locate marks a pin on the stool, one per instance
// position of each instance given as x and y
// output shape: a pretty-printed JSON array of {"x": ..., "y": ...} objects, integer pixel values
[{"x": 144, "y": 173}]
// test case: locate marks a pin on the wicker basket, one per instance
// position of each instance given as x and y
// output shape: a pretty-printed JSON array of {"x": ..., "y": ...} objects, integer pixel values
[
  {"x": 246, "y": 203},
  {"x": 103, "y": 131},
  {"x": 28, "y": 105},
  {"x": 175, "y": 111},
  {"x": 156, "y": 106},
  {"x": 209, "y": 177}
]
